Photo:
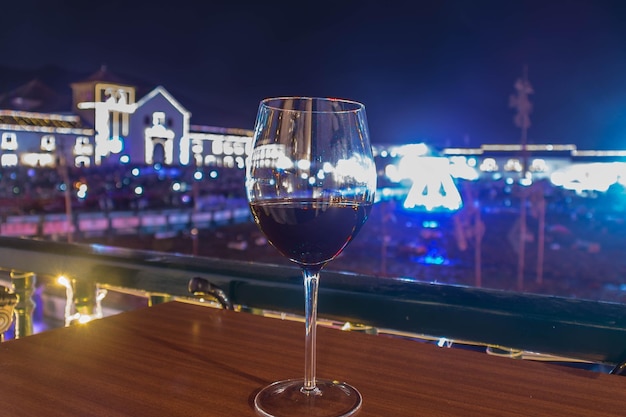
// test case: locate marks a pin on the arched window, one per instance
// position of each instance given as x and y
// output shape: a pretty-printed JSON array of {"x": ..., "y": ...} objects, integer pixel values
[
  {"x": 48, "y": 143},
  {"x": 9, "y": 142}
]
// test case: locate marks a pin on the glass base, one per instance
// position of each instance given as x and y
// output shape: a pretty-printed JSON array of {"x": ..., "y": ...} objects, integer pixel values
[{"x": 289, "y": 399}]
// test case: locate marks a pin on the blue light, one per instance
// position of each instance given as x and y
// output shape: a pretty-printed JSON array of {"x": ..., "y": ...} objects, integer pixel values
[{"x": 433, "y": 260}]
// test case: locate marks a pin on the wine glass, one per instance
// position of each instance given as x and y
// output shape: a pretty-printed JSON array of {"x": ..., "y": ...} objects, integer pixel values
[{"x": 310, "y": 182}]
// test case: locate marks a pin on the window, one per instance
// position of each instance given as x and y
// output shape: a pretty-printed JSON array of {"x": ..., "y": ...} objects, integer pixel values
[
  {"x": 158, "y": 118},
  {"x": 514, "y": 165},
  {"x": 9, "y": 142},
  {"x": 240, "y": 148},
  {"x": 218, "y": 147},
  {"x": 229, "y": 162},
  {"x": 48, "y": 143},
  {"x": 82, "y": 146},
  {"x": 211, "y": 160},
  {"x": 8, "y": 160},
  {"x": 489, "y": 165},
  {"x": 197, "y": 146},
  {"x": 82, "y": 161}
]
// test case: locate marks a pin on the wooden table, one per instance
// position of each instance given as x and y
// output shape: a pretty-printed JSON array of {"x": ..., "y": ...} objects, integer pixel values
[{"x": 180, "y": 359}]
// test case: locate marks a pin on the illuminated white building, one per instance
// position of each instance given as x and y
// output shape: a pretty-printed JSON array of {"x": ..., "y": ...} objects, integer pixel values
[{"x": 107, "y": 124}]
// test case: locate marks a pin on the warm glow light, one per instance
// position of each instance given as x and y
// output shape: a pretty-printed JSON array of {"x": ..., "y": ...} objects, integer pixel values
[
  {"x": 74, "y": 317},
  {"x": 81, "y": 193},
  {"x": 63, "y": 281},
  {"x": 69, "y": 298}
]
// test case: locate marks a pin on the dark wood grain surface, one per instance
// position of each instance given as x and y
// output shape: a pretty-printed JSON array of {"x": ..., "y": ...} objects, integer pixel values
[{"x": 180, "y": 359}]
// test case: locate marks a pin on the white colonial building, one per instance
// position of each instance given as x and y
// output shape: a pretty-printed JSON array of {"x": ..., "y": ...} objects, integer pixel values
[{"x": 106, "y": 123}]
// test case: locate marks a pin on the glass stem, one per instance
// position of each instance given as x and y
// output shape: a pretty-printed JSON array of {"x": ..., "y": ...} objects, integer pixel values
[{"x": 311, "y": 281}]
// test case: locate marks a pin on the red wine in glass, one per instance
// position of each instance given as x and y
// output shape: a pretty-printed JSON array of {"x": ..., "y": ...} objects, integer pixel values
[{"x": 310, "y": 183}]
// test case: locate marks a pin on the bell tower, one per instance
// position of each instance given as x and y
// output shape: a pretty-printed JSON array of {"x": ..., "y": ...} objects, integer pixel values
[{"x": 104, "y": 101}]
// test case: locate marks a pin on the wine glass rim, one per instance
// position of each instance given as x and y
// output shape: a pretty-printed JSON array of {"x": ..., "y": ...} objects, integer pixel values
[{"x": 357, "y": 106}]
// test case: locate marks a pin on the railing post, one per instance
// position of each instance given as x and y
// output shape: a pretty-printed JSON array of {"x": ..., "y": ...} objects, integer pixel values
[
  {"x": 8, "y": 300},
  {"x": 23, "y": 285},
  {"x": 84, "y": 297},
  {"x": 82, "y": 300}
]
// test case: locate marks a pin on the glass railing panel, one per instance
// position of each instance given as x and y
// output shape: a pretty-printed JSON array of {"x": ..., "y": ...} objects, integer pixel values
[{"x": 572, "y": 328}]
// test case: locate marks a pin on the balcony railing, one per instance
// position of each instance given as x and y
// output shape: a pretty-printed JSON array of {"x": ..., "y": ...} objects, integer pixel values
[{"x": 581, "y": 330}]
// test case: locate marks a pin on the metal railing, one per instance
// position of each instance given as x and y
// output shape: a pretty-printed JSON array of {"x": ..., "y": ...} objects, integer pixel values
[
  {"x": 117, "y": 223},
  {"x": 506, "y": 321}
]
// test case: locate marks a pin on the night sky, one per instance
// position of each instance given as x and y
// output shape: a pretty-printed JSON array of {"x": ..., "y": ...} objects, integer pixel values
[{"x": 435, "y": 71}]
